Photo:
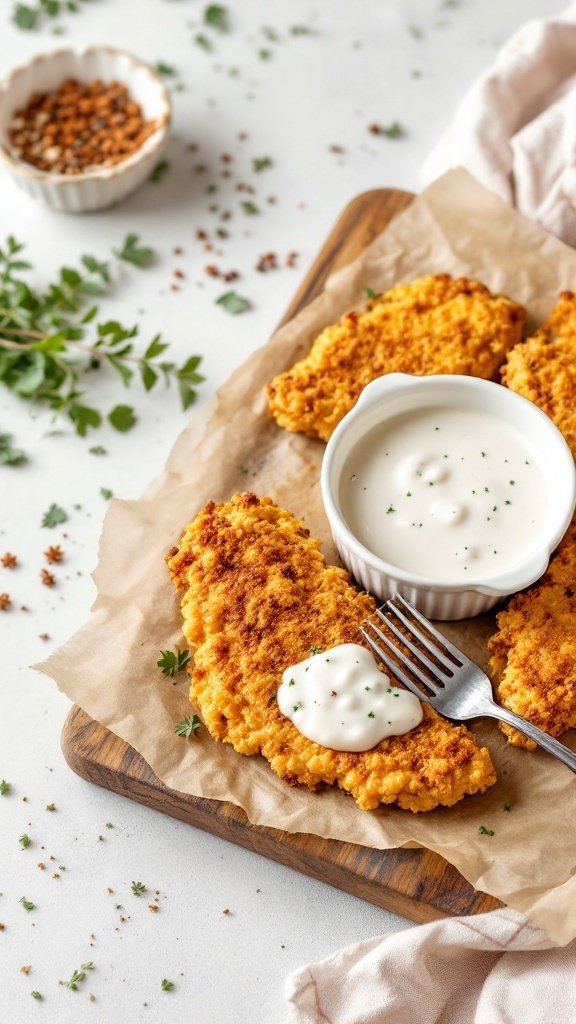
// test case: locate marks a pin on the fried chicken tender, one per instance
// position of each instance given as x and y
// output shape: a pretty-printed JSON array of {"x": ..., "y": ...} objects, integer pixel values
[
  {"x": 533, "y": 654},
  {"x": 432, "y": 325},
  {"x": 543, "y": 369},
  {"x": 256, "y": 596}
]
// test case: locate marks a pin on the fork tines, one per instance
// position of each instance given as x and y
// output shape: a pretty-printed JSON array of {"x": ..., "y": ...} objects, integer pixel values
[{"x": 432, "y": 659}]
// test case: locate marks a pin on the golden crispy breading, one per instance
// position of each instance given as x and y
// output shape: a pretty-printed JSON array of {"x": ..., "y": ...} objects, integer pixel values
[
  {"x": 256, "y": 595},
  {"x": 432, "y": 325},
  {"x": 533, "y": 654},
  {"x": 543, "y": 369}
]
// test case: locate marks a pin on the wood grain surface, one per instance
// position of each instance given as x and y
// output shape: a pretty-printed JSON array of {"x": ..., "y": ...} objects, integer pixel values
[{"x": 417, "y": 884}]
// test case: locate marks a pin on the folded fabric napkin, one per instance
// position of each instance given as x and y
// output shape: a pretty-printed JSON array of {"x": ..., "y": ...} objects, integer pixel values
[
  {"x": 515, "y": 129},
  {"x": 461, "y": 970}
]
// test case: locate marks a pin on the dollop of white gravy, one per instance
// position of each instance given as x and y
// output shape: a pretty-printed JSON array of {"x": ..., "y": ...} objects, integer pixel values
[
  {"x": 449, "y": 493},
  {"x": 340, "y": 699}
]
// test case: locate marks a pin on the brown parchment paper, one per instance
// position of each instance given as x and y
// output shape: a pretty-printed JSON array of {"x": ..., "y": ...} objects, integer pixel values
[{"x": 109, "y": 666}]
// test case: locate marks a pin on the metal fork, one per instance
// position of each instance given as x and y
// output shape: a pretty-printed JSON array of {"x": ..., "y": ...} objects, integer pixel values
[{"x": 449, "y": 681}]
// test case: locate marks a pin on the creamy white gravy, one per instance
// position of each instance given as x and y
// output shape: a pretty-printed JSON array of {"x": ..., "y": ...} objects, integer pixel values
[
  {"x": 448, "y": 493},
  {"x": 340, "y": 699}
]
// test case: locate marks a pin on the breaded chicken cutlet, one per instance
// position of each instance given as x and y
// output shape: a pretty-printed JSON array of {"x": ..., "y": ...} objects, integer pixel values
[
  {"x": 435, "y": 324},
  {"x": 533, "y": 654},
  {"x": 256, "y": 596},
  {"x": 543, "y": 368}
]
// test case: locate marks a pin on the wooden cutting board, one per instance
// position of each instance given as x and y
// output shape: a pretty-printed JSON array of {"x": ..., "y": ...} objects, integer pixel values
[{"x": 417, "y": 884}]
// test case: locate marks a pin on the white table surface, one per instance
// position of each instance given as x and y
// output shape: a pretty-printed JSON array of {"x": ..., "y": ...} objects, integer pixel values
[{"x": 374, "y": 60}]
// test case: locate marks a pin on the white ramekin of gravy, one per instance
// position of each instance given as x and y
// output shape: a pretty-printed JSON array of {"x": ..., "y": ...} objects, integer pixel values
[{"x": 451, "y": 490}]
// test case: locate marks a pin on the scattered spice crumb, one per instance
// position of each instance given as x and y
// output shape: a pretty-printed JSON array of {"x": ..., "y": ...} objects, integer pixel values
[
  {"x": 41, "y": 865},
  {"x": 50, "y": 807},
  {"x": 5, "y": 602},
  {"x": 268, "y": 261},
  {"x": 48, "y": 578},
  {"x": 226, "y": 910},
  {"x": 53, "y": 554},
  {"x": 44, "y": 636},
  {"x": 153, "y": 906},
  {"x": 26, "y": 969},
  {"x": 9, "y": 561}
]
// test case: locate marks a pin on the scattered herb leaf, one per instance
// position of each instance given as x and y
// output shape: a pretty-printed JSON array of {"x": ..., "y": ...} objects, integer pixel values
[
  {"x": 27, "y": 904},
  {"x": 122, "y": 418},
  {"x": 132, "y": 252},
  {"x": 5, "y": 787},
  {"x": 233, "y": 303},
  {"x": 172, "y": 662},
  {"x": 78, "y": 975},
  {"x": 10, "y": 456},
  {"x": 261, "y": 163},
  {"x": 54, "y": 516},
  {"x": 188, "y": 726},
  {"x": 138, "y": 888},
  {"x": 216, "y": 16},
  {"x": 162, "y": 168},
  {"x": 25, "y": 841},
  {"x": 106, "y": 493},
  {"x": 166, "y": 985}
]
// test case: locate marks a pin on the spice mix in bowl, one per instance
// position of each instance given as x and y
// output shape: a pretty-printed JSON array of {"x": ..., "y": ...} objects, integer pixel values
[{"x": 81, "y": 129}]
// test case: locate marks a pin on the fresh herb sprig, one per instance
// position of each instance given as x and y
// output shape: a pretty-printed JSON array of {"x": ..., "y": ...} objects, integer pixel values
[{"x": 50, "y": 347}]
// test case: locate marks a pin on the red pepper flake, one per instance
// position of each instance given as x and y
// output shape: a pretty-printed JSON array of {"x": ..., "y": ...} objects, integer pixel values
[
  {"x": 291, "y": 259},
  {"x": 5, "y": 602},
  {"x": 54, "y": 554},
  {"x": 179, "y": 274},
  {"x": 2, "y": 927},
  {"x": 231, "y": 275},
  {"x": 212, "y": 270},
  {"x": 9, "y": 561},
  {"x": 47, "y": 578},
  {"x": 201, "y": 235},
  {"x": 153, "y": 906},
  {"x": 267, "y": 262},
  {"x": 41, "y": 865}
]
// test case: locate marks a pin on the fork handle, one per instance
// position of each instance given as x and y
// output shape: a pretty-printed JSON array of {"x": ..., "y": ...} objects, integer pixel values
[{"x": 553, "y": 746}]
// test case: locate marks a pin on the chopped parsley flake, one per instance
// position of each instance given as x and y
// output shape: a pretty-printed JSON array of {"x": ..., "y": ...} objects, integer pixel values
[{"x": 483, "y": 831}]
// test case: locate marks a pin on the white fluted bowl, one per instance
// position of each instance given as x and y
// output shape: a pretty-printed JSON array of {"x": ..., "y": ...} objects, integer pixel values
[
  {"x": 99, "y": 187},
  {"x": 397, "y": 393}
]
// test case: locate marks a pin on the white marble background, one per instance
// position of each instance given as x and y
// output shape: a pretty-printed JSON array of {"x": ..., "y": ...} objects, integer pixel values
[{"x": 367, "y": 61}]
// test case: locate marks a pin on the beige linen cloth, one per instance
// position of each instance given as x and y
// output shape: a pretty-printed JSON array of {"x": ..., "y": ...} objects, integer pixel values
[
  {"x": 515, "y": 129},
  {"x": 466, "y": 970}
]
